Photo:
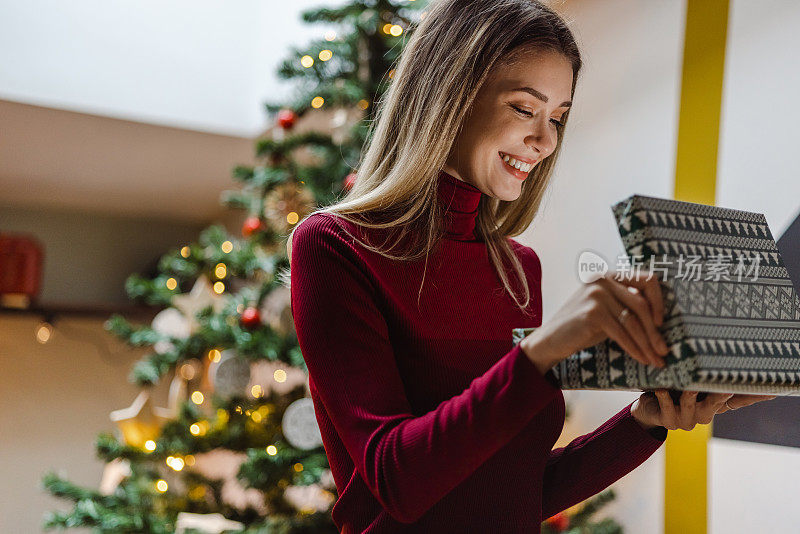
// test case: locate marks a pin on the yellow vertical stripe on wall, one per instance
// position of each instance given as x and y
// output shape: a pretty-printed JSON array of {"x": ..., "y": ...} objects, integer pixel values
[{"x": 686, "y": 470}]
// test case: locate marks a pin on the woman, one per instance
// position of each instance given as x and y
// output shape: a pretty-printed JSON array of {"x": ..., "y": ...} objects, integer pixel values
[{"x": 431, "y": 421}]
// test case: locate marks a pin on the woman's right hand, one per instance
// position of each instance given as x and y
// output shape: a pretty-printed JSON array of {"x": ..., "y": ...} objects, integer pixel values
[{"x": 592, "y": 314}]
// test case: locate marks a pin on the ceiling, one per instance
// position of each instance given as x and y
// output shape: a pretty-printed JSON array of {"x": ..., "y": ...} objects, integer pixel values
[{"x": 57, "y": 158}]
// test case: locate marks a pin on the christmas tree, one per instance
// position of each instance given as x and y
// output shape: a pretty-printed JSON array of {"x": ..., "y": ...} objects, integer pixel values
[{"x": 237, "y": 448}]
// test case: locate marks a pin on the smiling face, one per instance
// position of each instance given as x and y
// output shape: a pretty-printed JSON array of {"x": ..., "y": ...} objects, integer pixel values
[{"x": 514, "y": 115}]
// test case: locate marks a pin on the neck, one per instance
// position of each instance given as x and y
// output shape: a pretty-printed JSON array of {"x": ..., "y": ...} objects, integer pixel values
[{"x": 460, "y": 201}]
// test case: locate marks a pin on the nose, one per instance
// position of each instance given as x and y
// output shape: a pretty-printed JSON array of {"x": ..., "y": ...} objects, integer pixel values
[{"x": 542, "y": 138}]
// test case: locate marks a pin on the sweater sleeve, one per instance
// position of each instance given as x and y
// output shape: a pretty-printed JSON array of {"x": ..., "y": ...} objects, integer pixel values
[
  {"x": 408, "y": 462},
  {"x": 592, "y": 462}
]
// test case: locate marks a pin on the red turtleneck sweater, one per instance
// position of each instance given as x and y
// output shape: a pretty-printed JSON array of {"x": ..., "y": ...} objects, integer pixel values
[{"x": 431, "y": 420}]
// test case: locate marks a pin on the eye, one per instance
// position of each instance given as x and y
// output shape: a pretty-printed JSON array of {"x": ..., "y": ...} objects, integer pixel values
[{"x": 529, "y": 114}]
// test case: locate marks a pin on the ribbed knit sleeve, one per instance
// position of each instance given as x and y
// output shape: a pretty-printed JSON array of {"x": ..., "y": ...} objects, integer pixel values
[
  {"x": 592, "y": 462},
  {"x": 408, "y": 462}
]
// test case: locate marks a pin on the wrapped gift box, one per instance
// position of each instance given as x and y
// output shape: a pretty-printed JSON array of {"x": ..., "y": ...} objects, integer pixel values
[{"x": 732, "y": 314}]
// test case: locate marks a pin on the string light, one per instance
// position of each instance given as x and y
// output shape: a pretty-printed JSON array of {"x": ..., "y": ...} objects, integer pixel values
[
  {"x": 279, "y": 375},
  {"x": 189, "y": 459},
  {"x": 162, "y": 486},
  {"x": 387, "y": 28},
  {"x": 185, "y": 251},
  {"x": 256, "y": 391},
  {"x": 330, "y": 35},
  {"x": 219, "y": 288},
  {"x": 306, "y": 61},
  {"x": 298, "y": 467},
  {"x": 317, "y": 102},
  {"x": 292, "y": 217},
  {"x": 363, "y": 104},
  {"x": 396, "y": 30},
  {"x": 226, "y": 247},
  {"x": 150, "y": 445},
  {"x": 171, "y": 283},
  {"x": 256, "y": 417},
  {"x": 214, "y": 355},
  {"x": 43, "y": 332},
  {"x": 221, "y": 271},
  {"x": 175, "y": 463},
  {"x": 187, "y": 371},
  {"x": 197, "y": 397},
  {"x": 272, "y": 450},
  {"x": 325, "y": 55}
]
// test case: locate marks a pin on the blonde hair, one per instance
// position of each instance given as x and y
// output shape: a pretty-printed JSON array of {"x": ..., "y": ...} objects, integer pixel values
[{"x": 447, "y": 59}]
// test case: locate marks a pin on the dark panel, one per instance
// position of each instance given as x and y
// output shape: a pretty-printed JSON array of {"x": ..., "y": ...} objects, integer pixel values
[{"x": 776, "y": 421}]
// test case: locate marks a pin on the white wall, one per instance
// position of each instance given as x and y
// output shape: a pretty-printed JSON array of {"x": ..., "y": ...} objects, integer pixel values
[
  {"x": 753, "y": 486},
  {"x": 197, "y": 64},
  {"x": 620, "y": 141}
]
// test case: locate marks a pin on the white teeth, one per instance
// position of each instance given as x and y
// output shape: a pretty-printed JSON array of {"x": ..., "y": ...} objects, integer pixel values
[{"x": 519, "y": 165}]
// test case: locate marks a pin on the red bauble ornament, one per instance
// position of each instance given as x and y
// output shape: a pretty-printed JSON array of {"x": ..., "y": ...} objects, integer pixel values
[
  {"x": 250, "y": 318},
  {"x": 349, "y": 180},
  {"x": 286, "y": 118},
  {"x": 559, "y": 522},
  {"x": 251, "y": 225}
]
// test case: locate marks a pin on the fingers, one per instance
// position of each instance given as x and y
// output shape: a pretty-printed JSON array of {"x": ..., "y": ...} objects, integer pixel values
[
  {"x": 669, "y": 416},
  {"x": 626, "y": 334},
  {"x": 687, "y": 415},
  {"x": 651, "y": 287},
  {"x": 713, "y": 404},
  {"x": 631, "y": 297},
  {"x": 740, "y": 400}
]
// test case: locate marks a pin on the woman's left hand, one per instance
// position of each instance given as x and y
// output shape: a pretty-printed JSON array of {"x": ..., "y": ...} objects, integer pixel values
[{"x": 659, "y": 410}]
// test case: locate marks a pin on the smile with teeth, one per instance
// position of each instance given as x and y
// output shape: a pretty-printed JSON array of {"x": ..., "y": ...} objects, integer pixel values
[{"x": 520, "y": 166}]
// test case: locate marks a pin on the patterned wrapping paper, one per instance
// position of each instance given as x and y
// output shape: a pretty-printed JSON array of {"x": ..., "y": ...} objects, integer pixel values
[{"x": 732, "y": 324}]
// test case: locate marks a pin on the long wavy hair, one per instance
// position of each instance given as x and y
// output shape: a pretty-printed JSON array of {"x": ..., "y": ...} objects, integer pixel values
[{"x": 446, "y": 60}]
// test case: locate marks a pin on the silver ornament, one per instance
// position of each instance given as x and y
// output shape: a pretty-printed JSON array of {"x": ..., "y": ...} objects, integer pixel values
[
  {"x": 299, "y": 425},
  {"x": 230, "y": 375}
]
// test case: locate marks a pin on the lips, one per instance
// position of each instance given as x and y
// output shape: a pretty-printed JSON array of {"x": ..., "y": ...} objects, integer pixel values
[{"x": 518, "y": 158}]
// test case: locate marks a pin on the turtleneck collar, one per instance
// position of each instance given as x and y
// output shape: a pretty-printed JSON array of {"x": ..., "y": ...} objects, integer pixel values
[{"x": 460, "y": 201}]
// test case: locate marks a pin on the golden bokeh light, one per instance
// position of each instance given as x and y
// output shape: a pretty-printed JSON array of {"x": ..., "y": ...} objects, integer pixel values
[
  {"x": 317, "y": 102},
  {"x": 306, "y": 61},
  {"x": 44, "y": 332},
  {"x": 226, "y": 247},
  {"x": 171, "y": 283}
]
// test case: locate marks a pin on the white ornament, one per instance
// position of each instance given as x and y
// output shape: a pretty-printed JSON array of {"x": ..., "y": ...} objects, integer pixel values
[
  {"x": 230, "y": 375},
  {"x": 201, "y": 296},
  {"x": 339, "y": 118},
  {"x": 114, "y": 472},
  {"x": 311, "y": 497},
  {"x": 223, "y": 464},
  {"x": 210, "y": 523},
  {"x": 264, "y": 372},
  {"x": 170, "y": 322},
  {"x": 300, "y": 426}
]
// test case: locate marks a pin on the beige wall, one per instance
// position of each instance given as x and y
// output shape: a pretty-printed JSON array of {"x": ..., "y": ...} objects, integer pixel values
[{"x": 54, "y": 400}]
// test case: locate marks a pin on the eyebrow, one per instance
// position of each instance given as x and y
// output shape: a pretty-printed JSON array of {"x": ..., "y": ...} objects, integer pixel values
[{"x": 540, "y": 96}]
